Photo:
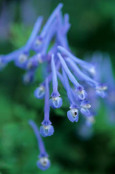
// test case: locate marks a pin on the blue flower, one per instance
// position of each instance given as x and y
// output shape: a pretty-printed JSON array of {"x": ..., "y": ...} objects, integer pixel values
[
  {"x": 101, "y": 90},
  {"x": 56, "y": 100},
  {"x": 21, "y": 59},
  {"x": 43, "y": 163},
  {"x": 33, "y": 62},
  {"x": 46, "y": 129},
  {"x": 23, "y": 55},
  {"x": 39, "y": 92},
  {"x": 79, "y": 89},
  {"x": 72, "y": 115},
  {"x": 28, "y": 77},
  {"x": 85, "y": 108}
]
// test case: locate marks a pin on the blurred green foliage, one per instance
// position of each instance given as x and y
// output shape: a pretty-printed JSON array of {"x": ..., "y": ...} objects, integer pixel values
[{"x": 93, "y": 28}]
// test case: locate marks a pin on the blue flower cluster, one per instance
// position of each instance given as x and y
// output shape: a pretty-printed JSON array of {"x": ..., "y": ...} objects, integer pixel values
[{"x": 78, "y": 77}]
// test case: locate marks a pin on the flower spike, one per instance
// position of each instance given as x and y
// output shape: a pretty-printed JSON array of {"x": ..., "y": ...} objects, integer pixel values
[{"x": 47, "y": 54}]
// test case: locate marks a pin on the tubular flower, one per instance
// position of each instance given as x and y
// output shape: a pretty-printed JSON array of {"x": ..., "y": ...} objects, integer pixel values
[
  {"x": 56, "y": 100},
  {"x": 43, "y": 163},
  {"x": 46, "y": 129}
]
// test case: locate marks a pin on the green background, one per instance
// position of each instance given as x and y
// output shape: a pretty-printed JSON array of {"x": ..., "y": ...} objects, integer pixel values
[{"x": 92, "y": 29}]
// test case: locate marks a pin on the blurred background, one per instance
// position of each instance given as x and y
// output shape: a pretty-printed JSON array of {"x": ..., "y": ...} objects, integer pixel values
[{"x": 92, "y": 29}]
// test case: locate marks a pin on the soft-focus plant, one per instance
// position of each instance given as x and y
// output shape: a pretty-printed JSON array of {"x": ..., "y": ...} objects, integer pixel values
[{"x": 48, "y": 46}]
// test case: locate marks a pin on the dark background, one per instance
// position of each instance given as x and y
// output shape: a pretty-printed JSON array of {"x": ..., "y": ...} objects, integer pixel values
[{"x": 92, "y": 29}]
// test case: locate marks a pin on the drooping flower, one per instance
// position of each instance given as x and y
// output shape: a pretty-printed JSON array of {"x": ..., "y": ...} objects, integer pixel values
[
  {"x": 46, "y": 129},
  {"x": 72, "y": 114},
  {"x": 56, "y": 100},
  {"x": 43, "y": 163}
]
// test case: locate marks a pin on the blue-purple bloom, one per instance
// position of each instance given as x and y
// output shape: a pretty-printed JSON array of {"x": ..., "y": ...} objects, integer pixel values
[
  {"x": 82, "y": 80},
  {"x": 72, "y": 114},
  {"x": 40, "y": 92},
  {"x": 77, "y": 75},
  {"x": 46, "y": 129},
  {"x": 56, "y": 100},
  {"x": 51, "y": 48},
  {"x": 43, "y": 163}
]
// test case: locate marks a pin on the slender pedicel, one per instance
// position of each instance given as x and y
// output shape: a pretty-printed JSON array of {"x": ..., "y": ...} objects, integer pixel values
[
  {"x": 46, "y": 129},
  {"x": 61, "y": 32},
  {"x": 41, "y": 44},
  {"x": 50, "y": 20},
  {"x": 66, "y": 23},
  {"x": 82, "y": 63},
  {"x": 63, "y": 40},
  {"x": 21, "y": 61},
  {"x": 61, "y": 79},
  {"x": 67, "y": 87},
  {"x": 80, "y": 74},
  {"x": 5, "y": 59},
  {"x": 34, "y": 33},
  {"x": 54, "y": 77},
  {"x": 79, "y": 89},
  {"x": 43, "y": 163},
  {"x": 49, "y": 37},
  {"x": 39, "y": 93},
  {"x": 72, "y": 114},
  {"x": 70, "y": 75},
  {"x": 56, "y": 100},
  {"x": 13, "y": 55}
]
